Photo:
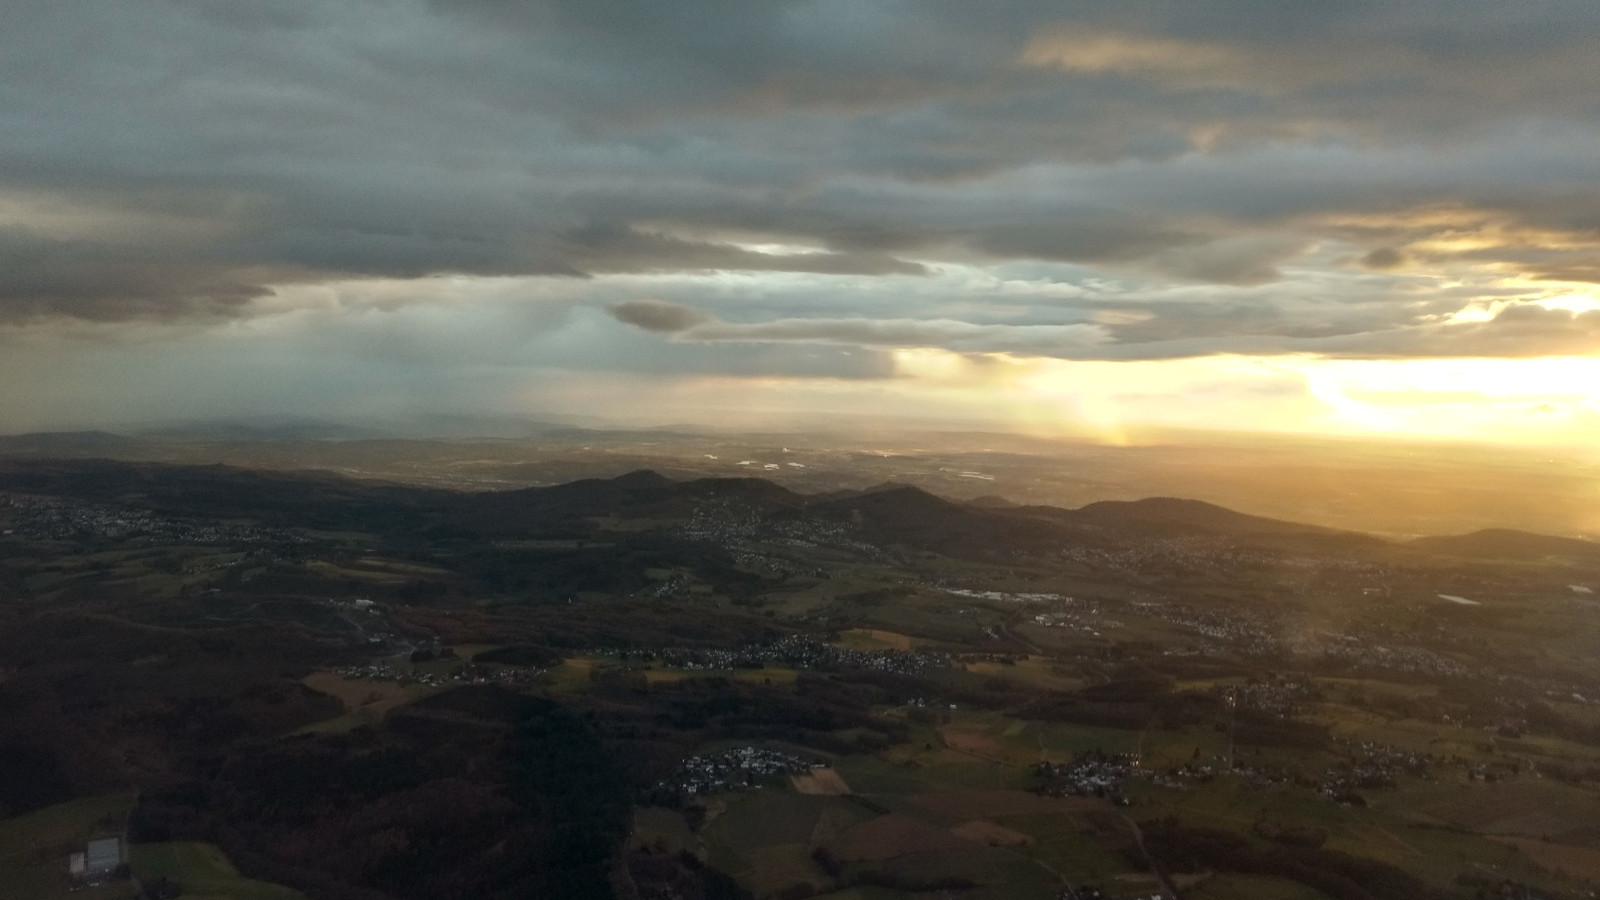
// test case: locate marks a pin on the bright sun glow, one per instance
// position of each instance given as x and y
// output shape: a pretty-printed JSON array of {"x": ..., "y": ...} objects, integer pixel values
[{"x": 1546, "y": 400}]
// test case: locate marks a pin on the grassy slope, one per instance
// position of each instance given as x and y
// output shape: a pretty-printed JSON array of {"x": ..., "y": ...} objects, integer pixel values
[
  {"x": 34, "y": 846},
  {"x": 204, "y": 873}
]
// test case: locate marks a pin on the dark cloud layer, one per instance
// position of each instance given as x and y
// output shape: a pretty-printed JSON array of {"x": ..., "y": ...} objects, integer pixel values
[
  {"x": 1307, "y": 168},
  {"x": 1176, "y": 331}
]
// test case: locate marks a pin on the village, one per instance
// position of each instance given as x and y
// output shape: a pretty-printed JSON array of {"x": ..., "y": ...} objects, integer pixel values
[
  {"x": 53, "y": 520},
  {"x": 1371, "y": 766},
  {"x": 735, "y": 769},
  {"x": 791, "y": 651},
  {"x": 1091, "y": 774},
  {"x": 464, "y": 673},
  {"x": 737, "y": 527}
]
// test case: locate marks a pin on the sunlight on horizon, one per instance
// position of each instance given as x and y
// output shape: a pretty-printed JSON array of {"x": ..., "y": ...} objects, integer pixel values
[{"x": 1551, "y": 400}]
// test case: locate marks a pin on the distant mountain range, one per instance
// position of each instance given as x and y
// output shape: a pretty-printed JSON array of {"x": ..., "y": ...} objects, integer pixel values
[
  {"x": 888, "y": 514},
  {"x": 298, "y": 428}
]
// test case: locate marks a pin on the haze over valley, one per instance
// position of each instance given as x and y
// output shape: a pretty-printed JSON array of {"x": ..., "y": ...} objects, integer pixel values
[{"x": 1394, "y": 488}]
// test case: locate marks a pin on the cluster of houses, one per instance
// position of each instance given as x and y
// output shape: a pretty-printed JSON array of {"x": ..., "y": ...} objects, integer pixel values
[
  {"x": 736, "y": 769},
  {"x": 1278, "y": 696},
  {"x": 1007, "y": 596},
  {"x": 1176, "y": 555},
  {"x": 792, "y": 651},
  {"x": 1368, "y": 766},
  {"x": 1252, "y": 634},
  {"x": 465, "y": 673},
  {"x": 1086, "y": 620},
  {"x": 1237, "y": 631},
  {"x": 775, "y": 566},
  {"x": 1371, "y": 766},
  {"x": 51, "y": 520},
  {"x": 1256, "y": 773},
  {"x": 1494, "y": 770},
  {"x": 739, "y": 528},
  {"x": 1093, "y": 773},
  {"x": 1411, "y": 660}
]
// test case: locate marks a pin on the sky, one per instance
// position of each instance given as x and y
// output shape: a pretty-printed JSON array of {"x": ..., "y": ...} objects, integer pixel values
[{"x": 1093, "y": 220}]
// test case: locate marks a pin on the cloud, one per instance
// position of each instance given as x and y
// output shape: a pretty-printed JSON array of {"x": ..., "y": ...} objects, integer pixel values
[
  {"x": 658, "y": 316},
  {"x": 1239, "y": 260},
  {"x": 1166, "y": 328},
  {"x": 608, "y": 248},
  {"x": 801, "y": 188},
  {"x": 45, "y": 278},
  {"x": 1090, "y": 51},
  {"x": 1524, "y": 329},
  {"x": 1090, "y": 237},
  {"x": 687, "y": 324},
  {"x": 1383, "y": 259}
]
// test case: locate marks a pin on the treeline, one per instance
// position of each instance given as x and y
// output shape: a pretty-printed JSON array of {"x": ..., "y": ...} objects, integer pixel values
[
  {"x": 633, "y": 623},
  {"x": 617, "y": 567},
  {"x": 92, "y": 703},
  {"x": 476, "y": 792},
  {"x": 682, "y": 875},
  {"x": 31, "y": 777},
  {"x": 527, "y": 655},
  {"x": 846, "y": 875},
  {"x": 1130, "y": 700}
]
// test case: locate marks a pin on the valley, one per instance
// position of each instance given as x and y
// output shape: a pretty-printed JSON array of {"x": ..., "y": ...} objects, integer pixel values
[{"x": 299, "y": 684}]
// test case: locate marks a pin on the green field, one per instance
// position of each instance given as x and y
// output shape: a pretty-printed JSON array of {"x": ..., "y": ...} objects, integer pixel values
[
  {"x": 203, "y": 872},
  {"x": 766, "y": 839},
  {"x": 970, "y": 755},
  {"x": 34, "y": 846}
]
